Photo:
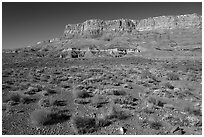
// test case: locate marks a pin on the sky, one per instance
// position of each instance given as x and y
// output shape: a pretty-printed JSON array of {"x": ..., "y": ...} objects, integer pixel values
[{"x": 26, "y": 23}]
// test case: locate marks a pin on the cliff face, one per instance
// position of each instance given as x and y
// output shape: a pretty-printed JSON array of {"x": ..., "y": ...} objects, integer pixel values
[{"x": 97, "y": 27}]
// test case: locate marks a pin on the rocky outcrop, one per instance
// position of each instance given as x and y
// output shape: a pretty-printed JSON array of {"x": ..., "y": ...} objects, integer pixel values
[{"x": 96, "y": 28}]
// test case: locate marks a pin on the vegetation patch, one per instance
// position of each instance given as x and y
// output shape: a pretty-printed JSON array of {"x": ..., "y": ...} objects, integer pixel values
[
  {"x": 43, "y": 117},
  {"x": 81, "y": 94}
]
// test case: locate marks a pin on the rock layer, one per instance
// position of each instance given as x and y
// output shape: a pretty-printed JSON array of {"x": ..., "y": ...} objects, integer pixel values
[{"x": 95, "y": 28}]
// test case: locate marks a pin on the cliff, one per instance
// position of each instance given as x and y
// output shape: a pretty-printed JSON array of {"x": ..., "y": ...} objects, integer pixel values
[{"x": 95, "y": 28}]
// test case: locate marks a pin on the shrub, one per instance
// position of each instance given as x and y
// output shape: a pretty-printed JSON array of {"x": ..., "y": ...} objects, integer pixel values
[
  {"x": 15, "y": 97},
  {"x": 4, "y": 107},
  {"x": 32, "y": 90},
  {"x": 59, "y": 103},
  {"x": 129, "y": 100},
  {"x": 48, "y": 102},
  {"x": 81, "y": 94},
  {"x": 43, "y": 117},
  {"x": 82, "y": 100},
  {"x": 119, "y": 92},
  {"x": 128, "y": 86},
  {"x": 194, "y": 111},
  {"x": 172, "y": 76},
  {"x": 156, "y": 102},
  {"x": 80, "y": 87},
  {"x": 27, "y": 100},
  {"x": 107, "y": 37},
  {"x": 98, "y": 101},
  {"x": 83, "y": 125},
  {"x": 152, "y": 100},
  {"x": 45, "y": 102},
  {"x": 168, "y": 85},
  {"x": 102, "y": 122},
  {"x": 172, "y": 43},
  {"x": 146, "y": 74},
  {"x": 155, "y": 125},
  {"x": 49, "y": 91},
  {"x": 44, "y": 77},
  {"x": 115, "y": 112},
  {"x": 65, "y": 85},
  {"x": 24, "y": 85}
]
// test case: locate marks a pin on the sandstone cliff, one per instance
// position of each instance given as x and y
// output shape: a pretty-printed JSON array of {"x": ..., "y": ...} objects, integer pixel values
[{"x": 95, "y": 28}]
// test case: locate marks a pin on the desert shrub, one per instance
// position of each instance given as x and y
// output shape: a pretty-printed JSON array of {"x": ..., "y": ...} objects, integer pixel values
[
  {"x": 48, "y": 102},
  {"x": 152, "y": 100},
  {"x": 7, "y": 73},
  {"x": 54, "y": 80},
  {"x": 83, "y": 125},
  {"x": 101, "y": 122},
  {"x": 75, "y": 54},
  {"x": 172, "y": 76},
  {"x": 59, "y": 103},
  {"x": 132, "y": 71},
  {"x": 65, "y": 85},
  {"x": 193, "y": 77},
  {"x": 173, "y": 120},
  {"x": 129, "y": 100},
  {"x": 49, "y": 91},
  {"x": 119, "y": 92},
  {"x": 32, "y": 90},
  {"x": 192, "y": 110},
  {"x": 160, "y": 103},
  {"x": 24, "y": 86},
  {"x": 9, "y": 82},
  {"x": 155, "y": 125},
  {"x": 107, "y": 37},
  {"x": 45, "y": 102},
  {"x": 28, "y": 100},
  {"x": 4, "y": 107},
  {"x": 64, "y": 78},
  {"x": 149, "y": 110},
  {"x": 6, "y": 87},
  {"x": 172, "y": 43},
  {"x": 146, "y": 74},
  {"x": 156, "y": 102},
  {"x": 44, "y": 77},
  {"x": 43, "y": 117},
  {"x": 168, "y": 85},
  {"x": 80, "y": 87},
  {"x": 179, "y": 95},
  {"x": 96, "y": 70},
  {"x": 115, "y": 112},
  {"x": 15, "y": 97},
  {"x": 82, "y": 100},
  {"x": 81, "y": 94},
  {"x": 99, "y": 101}
]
